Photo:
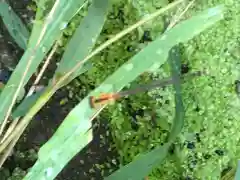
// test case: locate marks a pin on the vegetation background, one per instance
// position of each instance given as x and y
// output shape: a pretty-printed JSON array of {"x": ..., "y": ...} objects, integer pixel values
[{"x": 208, "y": 146}]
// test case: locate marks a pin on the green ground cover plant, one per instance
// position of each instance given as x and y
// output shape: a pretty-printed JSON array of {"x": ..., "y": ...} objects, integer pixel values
[
  {"x": 145, "y": 128},
  {"x": 198, "y": 151}
]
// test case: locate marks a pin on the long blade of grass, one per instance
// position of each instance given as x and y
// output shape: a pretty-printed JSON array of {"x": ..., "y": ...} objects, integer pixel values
[
  {"x": 28, "y": 102},
  {"x": 83, "y": 39},
  {"x": 230, "y": 175},
  {"x": 142, "y": 165},
  {"x": 175, "y": 64},
  {"x": 30, "y": 92},
  {"x": 42, "y": 38},
  {"x": 49, "y": 168},
  {"x": 26, "y": 105},
  {"x": 145, "y": 163},
  {"x": 71, "y": 129},
  {"x": 237, "y": 175},
  {"x": 14, "y": 24}
]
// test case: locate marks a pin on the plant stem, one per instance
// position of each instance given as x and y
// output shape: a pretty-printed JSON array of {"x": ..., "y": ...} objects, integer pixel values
[
  {"x": 32, "y": 89},
  {"x": 44, "y": 67},
  {"x": 10, "y": 129},
  {"x": 8, "y": 150},
  {"x": 29, "y": 62},
  {"x": 15, "y": 122},
  {"x": 26, "y": 120},
  {"x": 178, "y": 17}
]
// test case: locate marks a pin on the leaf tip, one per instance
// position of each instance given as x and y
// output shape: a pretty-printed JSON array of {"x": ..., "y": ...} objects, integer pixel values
[{"x": 216, "y": 11}]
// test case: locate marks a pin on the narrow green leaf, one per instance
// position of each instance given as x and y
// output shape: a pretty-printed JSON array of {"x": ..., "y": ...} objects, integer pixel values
[
  {"x": 26, "y": 104},
  {"x": 145, "y": 163},
  {"x": 49, "y": 168},
  {"x": 43, "y": 8},
  {"x": 175, "y": 64},
  {"x": 237, "y": 175},
  {"x": 15, "y": 26},
  {"x": 1, "y": 87},
  {"x": 84, "y": 38},
  {"x": 231, "y": 174},
  {"x": 36, "y": 51},
  {"x": 142, "y": 165},
  {"x": 53, "y": 154},
  {"x": 163, "y": 123}
]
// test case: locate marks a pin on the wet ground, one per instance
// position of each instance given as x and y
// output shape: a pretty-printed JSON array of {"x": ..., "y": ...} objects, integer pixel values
[{"x": 83, "y": 165}]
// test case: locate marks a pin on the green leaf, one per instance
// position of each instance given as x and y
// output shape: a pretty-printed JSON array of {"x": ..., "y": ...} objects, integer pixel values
[
  {"x": 175, "y": 64},
  {"x": 43, "y": 8},
  {"x": 58, "y": 156},
  {"x": 231, "y": 174},
  {"x": 21, "y": 95},
  {"x": 83, "y": 39},
  {"x": 163, "y": 123},
  {"x": 26, "y": 104},
  {"x": 58, "y": 151},
  {"x": 51, "y": 29},
  {"x": 14, "y": 25},
  {"x": 237, "y": 175},
  {"x": 142, "y": 165},
  {"x": 145, "y": 163},
  {"x": 1, "y": 86}
]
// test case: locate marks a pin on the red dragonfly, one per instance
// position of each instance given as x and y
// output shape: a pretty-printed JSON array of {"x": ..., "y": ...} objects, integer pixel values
[{"x": 109, "y": 97}]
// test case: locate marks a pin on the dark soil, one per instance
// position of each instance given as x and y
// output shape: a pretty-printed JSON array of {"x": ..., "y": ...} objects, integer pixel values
[{"x": 50, "y": 117}]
